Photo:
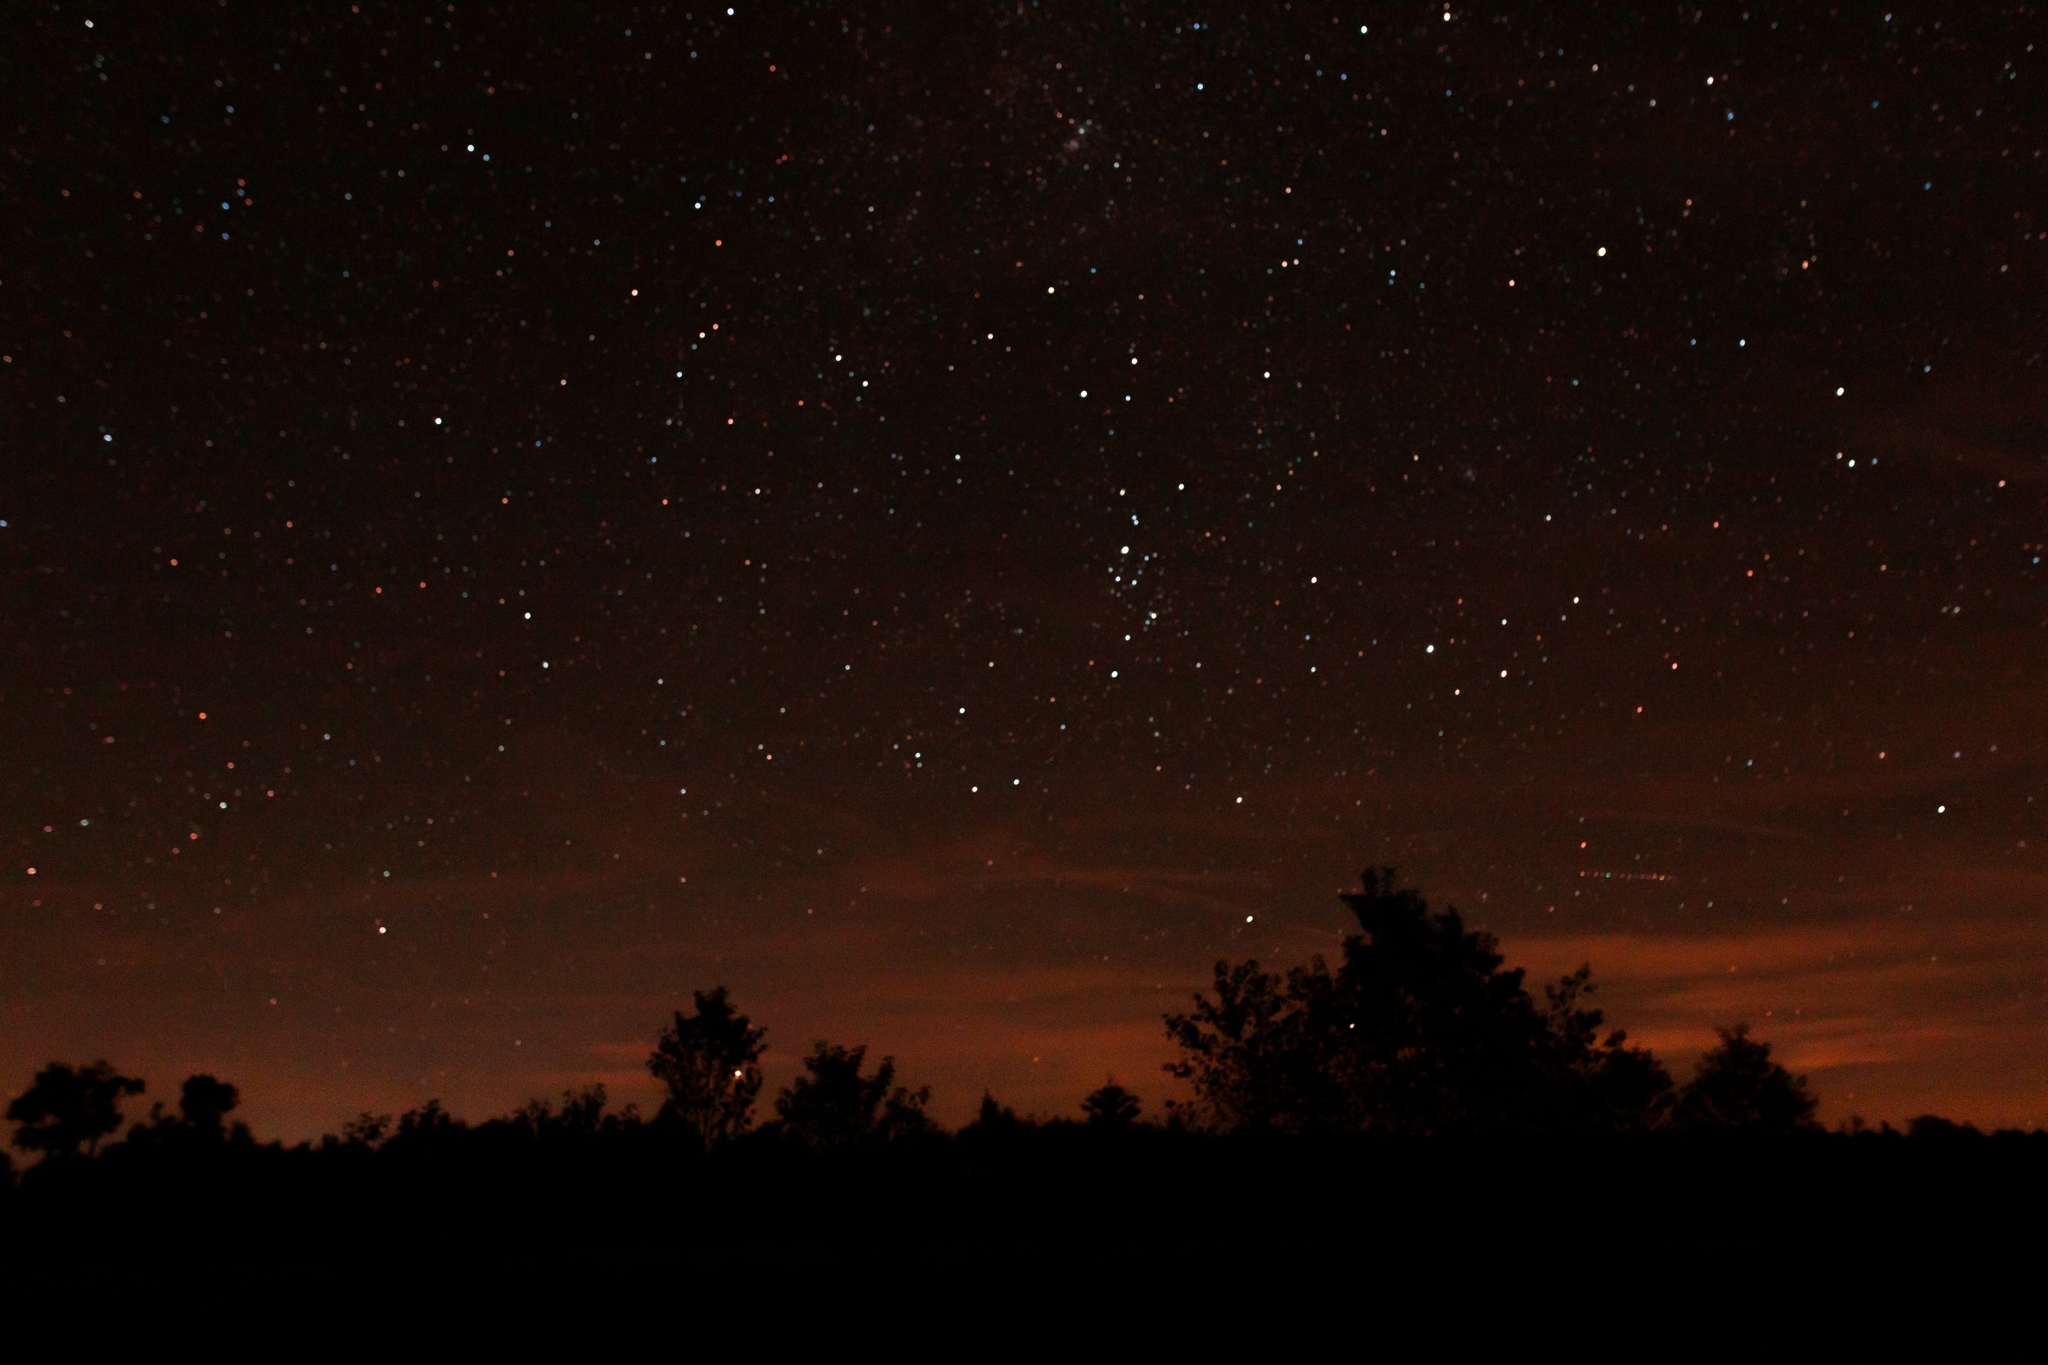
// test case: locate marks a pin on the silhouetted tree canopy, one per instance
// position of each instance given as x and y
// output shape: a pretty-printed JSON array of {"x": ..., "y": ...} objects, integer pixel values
[
  {"x": 70, "y": 1107},
  {"x": 1739, "y": 1089},
  {"x": 1419, "y": 1031},
  {"x": 1610, "y": 1086},
  {"x": 366, "y": 1130},
  {"x": 994, "y": 1120},
  {"x": 582, "y": 1116},
  {"x": 205, "y": 1102},
  {"x": 1111, "y": 1106},
  {"x": 709, "y": 1063},
  {"x": 425, "y": 1126},
  {"x": 1935, "y": 1128},
  {"x": 833, "y": 1105}
]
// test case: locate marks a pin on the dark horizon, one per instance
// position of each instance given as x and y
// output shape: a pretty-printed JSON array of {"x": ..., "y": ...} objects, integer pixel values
[
  {"x": 1611, "y": 495},
  {"x": 1418, "y": 1030}
]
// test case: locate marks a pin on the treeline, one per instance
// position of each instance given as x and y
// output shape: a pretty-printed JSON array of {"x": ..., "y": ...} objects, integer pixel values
[{"x": 1419, "y": 1032}]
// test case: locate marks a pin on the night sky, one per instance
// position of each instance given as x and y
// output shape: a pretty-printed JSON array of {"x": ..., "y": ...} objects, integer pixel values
[{"x": 947, "y": 519}]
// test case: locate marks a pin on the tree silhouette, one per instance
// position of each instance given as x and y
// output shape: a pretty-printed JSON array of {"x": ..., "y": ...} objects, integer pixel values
[
  {"x": 1419, "y": 1031},
  {"x": 69, "y": 1107},
  {"x": 903, "y": 1113},
  {"x": 833, "y": 1105},
  {"x": 710, "y": 1065},
  {"x": 1935, "y": 1128},
  {"x": 582, "y": 1115},
  {"x": 366, "y": 1130},
  {"x": 428, "y": 1130},
  {"x": 1111, "y": 1106},
  {"x": 1605, "y": 1086},
  {"x": 994, "y": 1119},
  {"x": 205, "y": 1103},
  {"x": 1739, "y": 1089}
]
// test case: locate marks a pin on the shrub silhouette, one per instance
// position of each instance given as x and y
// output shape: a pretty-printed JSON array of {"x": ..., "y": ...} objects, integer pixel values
[
  {"x": 833, "y": 1105},
  {"x": 205, "y": 1103},
  {"x": 1935, "y": 1128},
  {"x": 1419, "y": 1031},
  {"x": 1111, "y": 1106},
  {"x": 366, "y": 1130},
  {"x": 709, "y": 1063},
  {"x": 70, "y": 1107},
  {"x": 994, "y": 1120},
  {"x": 1739, "y": 1089},
  {"x": 581, "y": 1117}
]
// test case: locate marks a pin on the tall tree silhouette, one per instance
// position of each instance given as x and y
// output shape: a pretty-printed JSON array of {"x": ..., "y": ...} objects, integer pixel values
[
  {"x": 833, "y": 1105},
  {"x": 1739, "y": 1089},
  {"x": 70, "y": 1107},
  {"x": 709, "y": 1063},
  {"x": 1420, "y": 1030}
]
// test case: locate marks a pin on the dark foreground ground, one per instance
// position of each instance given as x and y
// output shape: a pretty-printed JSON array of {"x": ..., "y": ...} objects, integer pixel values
[{"x": 1175, "y": 1228}]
